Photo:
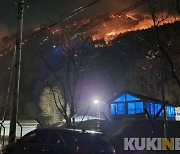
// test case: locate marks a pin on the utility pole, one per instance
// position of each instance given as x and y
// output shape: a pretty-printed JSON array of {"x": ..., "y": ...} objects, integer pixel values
[{"x": 17, "y": 68}]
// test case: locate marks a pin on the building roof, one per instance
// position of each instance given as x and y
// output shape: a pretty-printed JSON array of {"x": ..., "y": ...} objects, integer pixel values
[{"x": 140, "y": 96}]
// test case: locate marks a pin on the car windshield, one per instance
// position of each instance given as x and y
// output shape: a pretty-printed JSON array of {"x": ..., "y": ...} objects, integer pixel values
[
  {"x": 28, "y": 138},
  {"x": 43, "y": 137}
]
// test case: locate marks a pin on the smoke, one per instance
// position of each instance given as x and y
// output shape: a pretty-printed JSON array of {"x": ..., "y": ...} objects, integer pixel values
[
  {"x": 3, "y": 30},
  {"x": 40, "y": 13},
  {"x": 124, "y": 23},
  {"x": 113, "y": 6},
  {"x": 5, "y": 35}
]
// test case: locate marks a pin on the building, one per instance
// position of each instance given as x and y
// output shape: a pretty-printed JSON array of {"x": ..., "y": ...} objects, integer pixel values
[
  {"x": 134, "y": 106},
  {"x": 177, "y": 111},
  {"x": 137, "y": 116}
]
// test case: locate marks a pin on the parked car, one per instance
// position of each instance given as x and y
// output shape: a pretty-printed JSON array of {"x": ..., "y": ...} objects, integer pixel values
[{"x": 60, "y": 141}]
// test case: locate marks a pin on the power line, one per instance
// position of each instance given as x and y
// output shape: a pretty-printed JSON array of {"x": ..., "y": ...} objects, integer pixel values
[
  {"x": 64, "y": 17},
  {"x": 80, "y": 9},
  {"x": 109, "y": 18},
  {"x": 121, "y": 12},
  {"x": 99, "y": 23}
]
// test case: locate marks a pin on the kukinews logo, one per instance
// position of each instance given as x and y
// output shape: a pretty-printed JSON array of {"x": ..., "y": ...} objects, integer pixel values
[{"x": 151, "y": 144}]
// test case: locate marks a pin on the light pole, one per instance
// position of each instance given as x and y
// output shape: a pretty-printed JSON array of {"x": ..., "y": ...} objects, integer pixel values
[
  {"x": 17, "y": 68},
  {"x": 98, "y": 102}
]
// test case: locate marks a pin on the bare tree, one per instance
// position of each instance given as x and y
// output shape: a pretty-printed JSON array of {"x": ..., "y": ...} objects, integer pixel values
[
  {"x": 159, "y": 15},
  {"x": 66, "y": 85}
]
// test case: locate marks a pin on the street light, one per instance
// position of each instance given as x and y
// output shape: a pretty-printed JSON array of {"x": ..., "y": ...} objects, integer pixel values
[{"x": 97, "y": 102}]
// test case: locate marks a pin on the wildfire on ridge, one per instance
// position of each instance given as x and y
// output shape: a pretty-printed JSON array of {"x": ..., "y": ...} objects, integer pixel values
[
  {"x": 125, "y": 23},
  {"x": 108, "y": 31},
  {"x": 118, "y": 24}
]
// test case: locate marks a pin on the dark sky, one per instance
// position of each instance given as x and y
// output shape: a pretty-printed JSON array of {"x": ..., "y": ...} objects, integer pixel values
[
  {"x": 44, "y": 11},
  {"x": 39, "y": 12}
]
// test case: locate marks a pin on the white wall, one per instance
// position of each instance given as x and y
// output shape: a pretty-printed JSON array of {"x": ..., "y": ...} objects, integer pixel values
[
  {"x": 27, "y": 126},
  {"x": 177, "y": 111}
]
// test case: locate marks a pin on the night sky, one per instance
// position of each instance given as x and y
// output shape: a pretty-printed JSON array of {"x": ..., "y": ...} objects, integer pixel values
[
  {"x": 39, "y": 12},
  {"x": 44, "y": 11}
]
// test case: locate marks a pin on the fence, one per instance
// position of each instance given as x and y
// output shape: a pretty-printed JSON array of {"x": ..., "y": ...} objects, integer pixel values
[{"x": 22, "y": 128}]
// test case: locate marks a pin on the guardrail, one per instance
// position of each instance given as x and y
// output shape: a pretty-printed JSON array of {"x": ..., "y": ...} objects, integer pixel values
[
  {"x": 21, "y": 128},
  {"x": 3, "y": 137}
]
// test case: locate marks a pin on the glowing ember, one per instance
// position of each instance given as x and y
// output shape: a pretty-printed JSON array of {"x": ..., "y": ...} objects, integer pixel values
[
  {"x": 37, "y": 29},
  {"x": 55, "y": 31}
]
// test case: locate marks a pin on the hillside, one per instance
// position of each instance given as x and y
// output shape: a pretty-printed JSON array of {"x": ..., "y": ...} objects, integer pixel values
[{"x": 130, "y": 62}]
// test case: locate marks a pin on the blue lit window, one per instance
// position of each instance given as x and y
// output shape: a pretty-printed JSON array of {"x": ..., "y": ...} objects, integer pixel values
[
  {"x": 118, "y": 108},
  {"x": 170, "y": 111},
  {"x": 157, "y": 108},
  {"x": 135, "y": 107},
  {"x": 113, "y": 108},
  {"x": 139, "y": 107},
  {"x": 150, "y": 107},
  {"x": 131, "y": 98},
  {"x": 120, "y": 99},
  {"x": 121, "y": 108},
  {"x": 131, "y": 108}
]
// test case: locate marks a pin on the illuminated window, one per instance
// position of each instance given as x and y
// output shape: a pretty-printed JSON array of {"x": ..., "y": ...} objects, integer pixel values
[
  {"x": 113, "y": 108},
  {"x": 131, "y": 108},
  {"x": 135, "y": 107},
  {"x": 120, "y": 99},
  {"x": 118, "y": 108},
  {"x": 131, "y": 98},
  {"x": 150, "y": 107},
  {"x": 170, "y": 111},
  {"x": 126, "y": 97},
  {"x": 157, "y": 108},
  {"x": 139, "y": 107},
  {"x": 121, "y": 108}
]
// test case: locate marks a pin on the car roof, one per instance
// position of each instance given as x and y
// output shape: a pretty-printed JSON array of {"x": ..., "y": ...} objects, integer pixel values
[{"x": 65, "y": 130}]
